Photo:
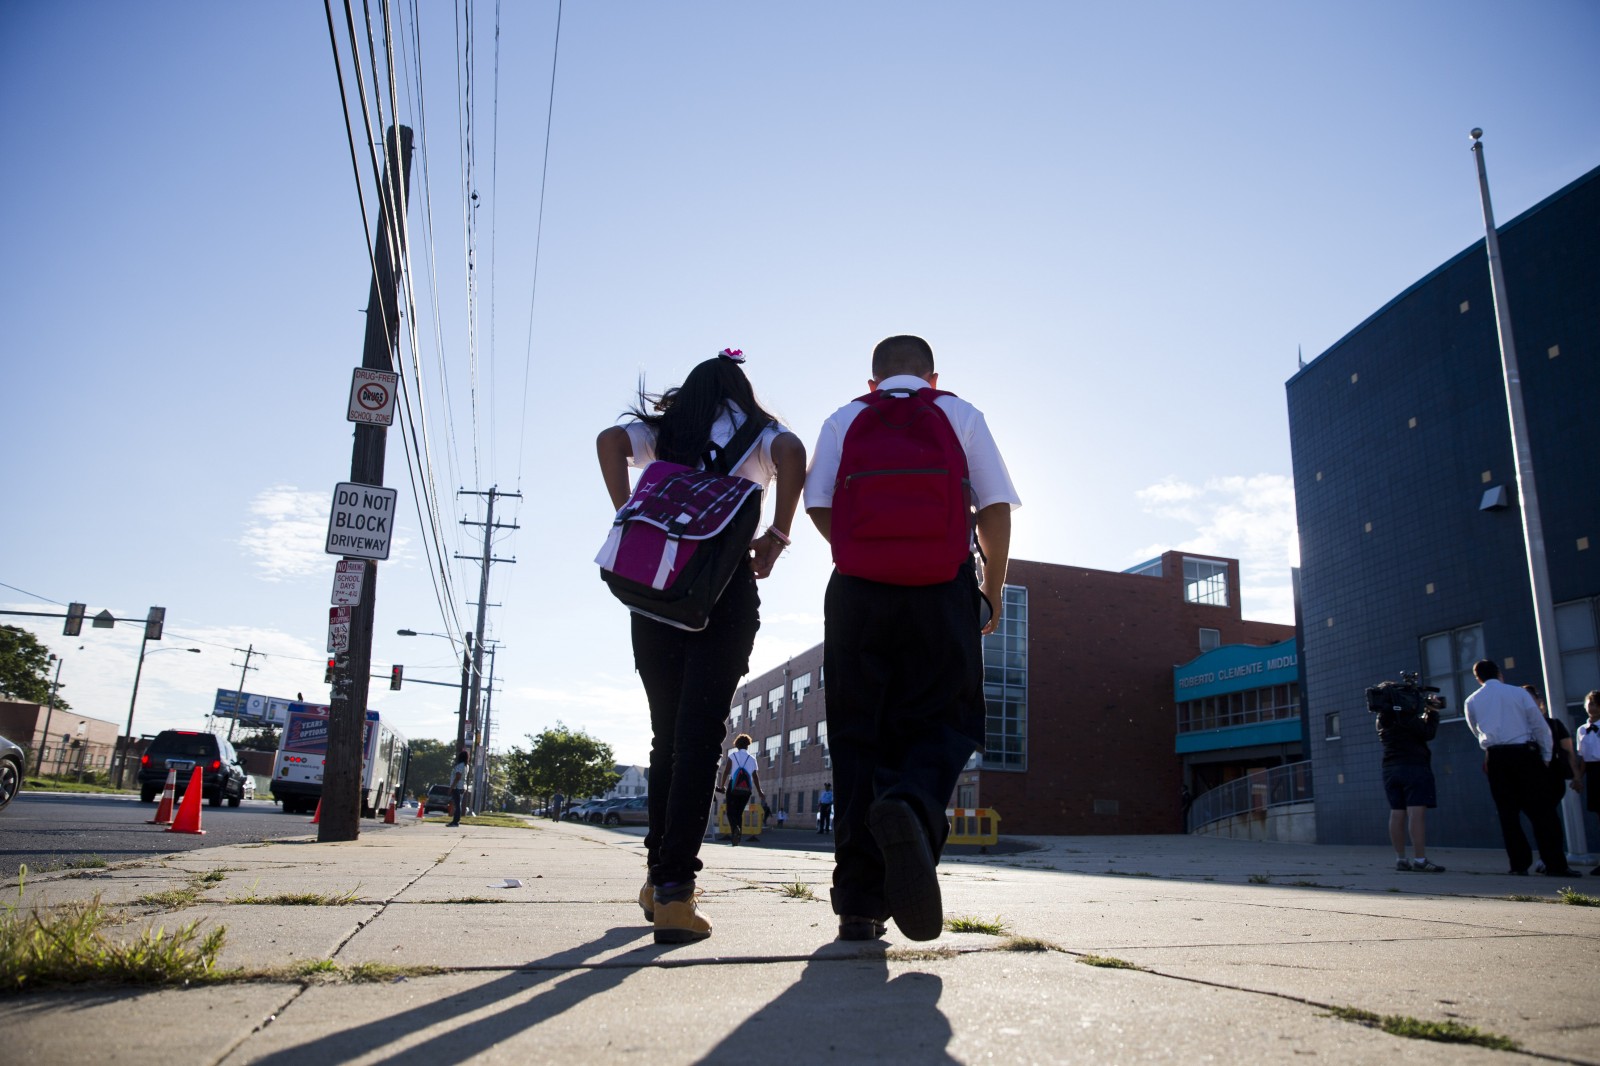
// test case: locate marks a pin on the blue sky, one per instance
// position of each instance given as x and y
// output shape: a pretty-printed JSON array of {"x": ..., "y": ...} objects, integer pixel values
[{"x": 1117, "y": 224}]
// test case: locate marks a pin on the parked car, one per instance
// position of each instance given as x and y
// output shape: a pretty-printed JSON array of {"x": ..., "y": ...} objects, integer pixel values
[
  {"x": 635, "y": 811},
  {"x": 13, "y": 761},
  {"x": 581, "y": 812},
  {"x": 437, "y": 799},
  {"x": 183, "y": 750},
  {"x": 597, "y": 813}
]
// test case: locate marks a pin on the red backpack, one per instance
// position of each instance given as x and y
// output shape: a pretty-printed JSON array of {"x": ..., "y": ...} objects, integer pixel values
[{"x": 903, "y": 507}]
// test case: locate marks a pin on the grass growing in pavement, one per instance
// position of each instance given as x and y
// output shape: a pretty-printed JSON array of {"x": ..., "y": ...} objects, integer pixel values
[
  {"x": 56, "y": 784},
  {"x": 797, "y": 890},
  {"x": 1572, "y": 897},
  {"x": 1526, "y": 899},
  {"x": 472, "y": 899},
  {"x": 1027, "y": 943},
  {"x": 965, "y": 924},
  {"x": 173, "y": 899},
  {"x": 67, "y": 945},
  {"x": 1417, "y": 1029},
  {"x": 298, "y": 899},
  {"x": 1109, "y": 962},
  {"x": 1261, "y": 879},
  {"x": 1130, "y": 873}
]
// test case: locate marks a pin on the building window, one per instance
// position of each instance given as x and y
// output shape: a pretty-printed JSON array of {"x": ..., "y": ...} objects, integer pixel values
[
  {"x": 774, "y": 744},
  {"x": 801, "y": 688},
  {"x": 1271, "y": 704},
  {"x": 1210, "y": 640},
  {"x": 1447, "y": 660},
  {"x": 1005, "y": 685},
  {"x": 1332, "y": 730},
  {"x": 797, "y": 742},
  {"x": 822, "y": 738},
  {"x": 1205, "y": 581},
  {"x": 1576, "y": 636},
  {"x": 775, "y": 700},
  {"x": 733, "y": 715},
  {"x": 755, "y": 709}
]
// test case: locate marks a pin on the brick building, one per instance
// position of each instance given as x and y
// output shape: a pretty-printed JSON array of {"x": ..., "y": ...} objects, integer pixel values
[
  {"x": 75, "y": 742},
  {"x": 1081, "y": 730}
]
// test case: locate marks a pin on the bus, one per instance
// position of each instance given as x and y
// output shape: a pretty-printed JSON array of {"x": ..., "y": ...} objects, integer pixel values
[{"x": 303, "y": 747}]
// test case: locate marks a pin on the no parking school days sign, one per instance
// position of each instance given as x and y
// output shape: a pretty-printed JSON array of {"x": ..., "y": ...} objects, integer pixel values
[{"x": 362, "y": 523}]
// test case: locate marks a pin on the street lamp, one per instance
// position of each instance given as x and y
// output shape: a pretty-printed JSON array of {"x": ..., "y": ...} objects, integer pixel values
[
  {"x": 48, "y": 714},
  {"x": 466, "y": 679},
  {"x": 127, "y": 739}
]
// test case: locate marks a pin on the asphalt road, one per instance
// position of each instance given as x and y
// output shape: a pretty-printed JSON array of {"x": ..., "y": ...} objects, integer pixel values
[{"x": 51, "y": 830}]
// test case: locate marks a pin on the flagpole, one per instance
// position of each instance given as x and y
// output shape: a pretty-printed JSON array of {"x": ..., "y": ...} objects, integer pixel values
[{"x": 1544, "y": 613}]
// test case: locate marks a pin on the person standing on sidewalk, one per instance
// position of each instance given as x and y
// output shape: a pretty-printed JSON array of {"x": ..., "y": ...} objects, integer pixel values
[
  {"x": 902, "y": 622},
  {"x": 690, "y": 676},
  {"x": 458, "y": 787},
  {"x": 1517, "y": 746},
  {"x": 1588, "y": 765},
  {"x": 1408, "y": 780},
  {"x": 738, "y": 779},
  {"x": 825, "y": 808}
]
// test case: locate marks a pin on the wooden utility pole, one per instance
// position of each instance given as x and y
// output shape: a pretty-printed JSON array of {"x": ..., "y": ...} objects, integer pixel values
[{"x": 347, "y": 712}]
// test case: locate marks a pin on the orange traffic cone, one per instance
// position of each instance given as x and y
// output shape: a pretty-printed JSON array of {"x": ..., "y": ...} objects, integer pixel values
[
  {"x": 169, "y": 792},
  {"x": 317, "y": 814},
  {"x": 422, "y": 812},
  {"x": 188, "y": 820},
  {"x": 388, "y": 814}
]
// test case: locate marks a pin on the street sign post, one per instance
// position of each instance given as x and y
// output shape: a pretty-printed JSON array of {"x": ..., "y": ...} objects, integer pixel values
[
  {"x": 338, "y": 629},
  {"x": 361, "y": 524},
  {"x": 372, "y": 396},
  {"x": 347, "y": 581}
]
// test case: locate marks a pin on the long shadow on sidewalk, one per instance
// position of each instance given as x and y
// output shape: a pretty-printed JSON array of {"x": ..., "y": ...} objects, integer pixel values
[
  {"x": 468, "y": 1038},
  {"x": 844, "y": 1010}
]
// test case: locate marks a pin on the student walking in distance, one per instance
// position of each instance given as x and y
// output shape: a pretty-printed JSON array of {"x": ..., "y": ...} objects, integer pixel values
[
  {"x": 825, "y": 808},
  {"x": 1517, "y": 747},
  {"x": 738, "y": 779},
  {"x": 893, "y": 486},
  {"x": 690, "y": 675},
  {"x": 1588, "y": 765},
  {"x": 458, "y": 787}
]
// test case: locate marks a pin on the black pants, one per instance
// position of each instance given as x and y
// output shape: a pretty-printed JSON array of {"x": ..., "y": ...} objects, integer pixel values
[
  {"x": 905, "y": 712},
  {"x": 689, "y": 680},
  {"x": 824, "y": 817},
  {"x": 458, "y": 803},
  {"x": 1519, "y": 783},
  {"x": 738, "y": 798}
]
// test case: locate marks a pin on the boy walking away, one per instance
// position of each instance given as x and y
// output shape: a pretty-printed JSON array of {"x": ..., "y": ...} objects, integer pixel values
[
  {"x": 897, "y": 476},
  {"x": 737, "y": 780}
]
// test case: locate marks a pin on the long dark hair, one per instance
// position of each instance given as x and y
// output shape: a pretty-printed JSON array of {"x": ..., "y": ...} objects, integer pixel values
[{"x": 682, "y": 417}]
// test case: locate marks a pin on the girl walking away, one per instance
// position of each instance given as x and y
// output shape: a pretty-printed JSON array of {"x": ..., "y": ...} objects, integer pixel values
[
  {"x": 458, "y": 787},
  {"x": 689, "y": 675}
]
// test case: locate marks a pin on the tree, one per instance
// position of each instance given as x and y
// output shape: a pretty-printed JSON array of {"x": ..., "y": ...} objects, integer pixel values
[
  {"x": 25, "y": 668},
  {"x": 430, "y": 764},
  {"x": 262, "y": 738},
  {"x": 562, "y": 760}
]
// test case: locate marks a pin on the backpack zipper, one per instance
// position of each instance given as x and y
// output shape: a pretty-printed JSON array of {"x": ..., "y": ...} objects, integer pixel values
[{"x": 879, "y": 473}]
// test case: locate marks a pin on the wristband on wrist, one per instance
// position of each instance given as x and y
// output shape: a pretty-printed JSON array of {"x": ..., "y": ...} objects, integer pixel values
[{"x": 778, "y": 535}]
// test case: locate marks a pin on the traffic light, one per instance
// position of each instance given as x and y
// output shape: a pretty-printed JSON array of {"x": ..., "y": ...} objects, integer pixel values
[
  {"x": 74, "y": 624},
  {"x": 153, "y": 623},
  {"x": 394, "y": 677},
  {"x": 327, "y": 678}
]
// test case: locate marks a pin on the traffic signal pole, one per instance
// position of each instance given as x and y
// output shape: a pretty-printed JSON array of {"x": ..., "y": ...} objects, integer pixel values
[{"x": 347, "y": 713}]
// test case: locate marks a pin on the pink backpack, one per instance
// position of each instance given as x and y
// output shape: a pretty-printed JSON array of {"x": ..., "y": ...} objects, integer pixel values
[
  {"x": 903, "y": 507},
  {"x": 676, "y": 543}
]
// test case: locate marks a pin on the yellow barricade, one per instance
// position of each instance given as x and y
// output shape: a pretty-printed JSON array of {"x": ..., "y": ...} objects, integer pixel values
[
  {"x": 751, "y": 827},
  {"x": 979, "y": 826}
]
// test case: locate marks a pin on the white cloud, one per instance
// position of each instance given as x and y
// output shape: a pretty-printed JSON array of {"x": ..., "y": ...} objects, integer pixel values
[
  {"x": 287, "y": 533},
  {"x": 1251, "y": 519}
]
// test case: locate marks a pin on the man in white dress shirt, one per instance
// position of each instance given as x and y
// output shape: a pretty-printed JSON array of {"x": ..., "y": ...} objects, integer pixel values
[{"x": 1517, "y": 746}]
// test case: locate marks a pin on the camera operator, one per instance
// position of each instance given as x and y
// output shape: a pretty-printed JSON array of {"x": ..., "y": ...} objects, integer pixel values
[
  {"x": 1405, "y": 725},
  {"x": 1517, "y": 747}
]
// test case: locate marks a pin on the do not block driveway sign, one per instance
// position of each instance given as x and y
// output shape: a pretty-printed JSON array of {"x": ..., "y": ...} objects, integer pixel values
[{"x": 362, "y": 523}]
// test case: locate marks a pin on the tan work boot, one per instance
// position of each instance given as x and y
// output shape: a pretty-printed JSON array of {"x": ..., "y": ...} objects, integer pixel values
[
  {"x": 679, "y": 921},
  {"x": 647, "y": 900}
]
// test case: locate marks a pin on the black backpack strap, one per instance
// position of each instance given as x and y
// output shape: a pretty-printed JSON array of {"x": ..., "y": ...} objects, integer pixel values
[{"x": 730, "y": 456}]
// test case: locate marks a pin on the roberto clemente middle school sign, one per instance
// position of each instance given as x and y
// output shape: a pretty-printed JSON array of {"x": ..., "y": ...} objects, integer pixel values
[{"x": 362, "y": 523}]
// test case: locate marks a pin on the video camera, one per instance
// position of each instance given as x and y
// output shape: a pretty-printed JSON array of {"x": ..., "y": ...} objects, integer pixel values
[{"x": 1406, "y": 696}]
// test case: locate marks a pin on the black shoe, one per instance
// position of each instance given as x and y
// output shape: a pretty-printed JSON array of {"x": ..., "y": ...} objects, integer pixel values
[
  {"x": 855, "y": 927},
  {"x": 1566, "y": 871},
  {"x": 1518, "y": 873},
  {"x": 910, "y": 879}
]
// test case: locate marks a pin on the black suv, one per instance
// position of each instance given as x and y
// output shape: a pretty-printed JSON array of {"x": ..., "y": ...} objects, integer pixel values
[{"x": 183, "y": 750}]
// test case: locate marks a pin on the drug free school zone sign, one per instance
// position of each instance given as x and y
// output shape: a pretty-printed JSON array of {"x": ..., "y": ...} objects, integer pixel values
[{"x": 362, "y": 523}]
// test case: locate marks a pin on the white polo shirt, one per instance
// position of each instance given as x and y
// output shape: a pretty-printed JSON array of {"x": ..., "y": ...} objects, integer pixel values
[
  {"x": 991, "y": 482},
  {"x": 758, "y": 468}
]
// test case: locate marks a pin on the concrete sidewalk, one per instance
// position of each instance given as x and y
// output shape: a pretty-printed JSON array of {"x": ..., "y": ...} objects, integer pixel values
[{"x": 1242, "y": 948}]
